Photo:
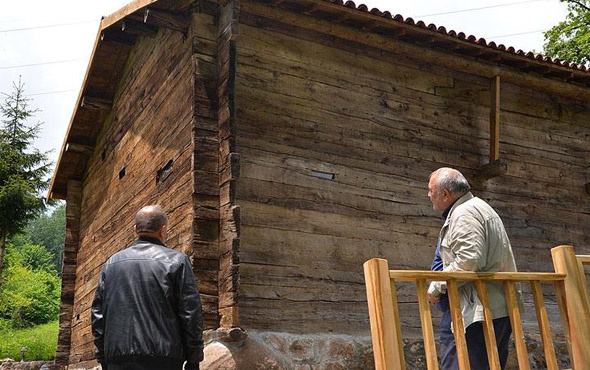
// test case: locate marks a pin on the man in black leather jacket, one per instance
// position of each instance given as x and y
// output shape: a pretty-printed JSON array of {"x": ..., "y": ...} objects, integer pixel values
[{"x": 146, "y": 312}]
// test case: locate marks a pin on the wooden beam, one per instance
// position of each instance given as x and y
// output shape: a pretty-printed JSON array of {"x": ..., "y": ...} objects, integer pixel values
[
  {"x": 160, "y": 18},
  {"x": 138, "y": 28},
  {"x": 79, "y": 148},
  {"x": 96, "y": 103},
  {"x": 118, "y": 37},
  {"x": 495, "y": 119},
  {"x": 496, "y": 168}
]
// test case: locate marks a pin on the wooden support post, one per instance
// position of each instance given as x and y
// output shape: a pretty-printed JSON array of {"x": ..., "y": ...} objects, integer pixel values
[
  {"x": 427, "y": 330},
  {"x": 544, "y": 327},
  {"x": 495, "y": 119},
  {"x": 495, "y": 167},
  {"x": 577, "y": 302},
  {"x": 385, "y": 329},
  {"x": 458, "y": 328},
  {"x": 488, "y": 326},
  {"x": 516, "y": 323}
]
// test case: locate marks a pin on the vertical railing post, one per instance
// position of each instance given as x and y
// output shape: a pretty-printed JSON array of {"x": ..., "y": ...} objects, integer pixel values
[
  {"x": 427, "y": 329},
  {"x": 512, "y": 302},
  {"x": 458, "y": 327},
  {"x": 385, "y": 328},
  {"x": 577, "y": 301}
]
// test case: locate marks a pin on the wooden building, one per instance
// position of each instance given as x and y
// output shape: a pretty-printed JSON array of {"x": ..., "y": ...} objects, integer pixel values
[{"x": 290, "y": 141}]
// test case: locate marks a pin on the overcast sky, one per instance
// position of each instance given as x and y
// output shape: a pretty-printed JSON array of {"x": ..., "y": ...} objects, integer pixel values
[{"x": 49, "y": 43}]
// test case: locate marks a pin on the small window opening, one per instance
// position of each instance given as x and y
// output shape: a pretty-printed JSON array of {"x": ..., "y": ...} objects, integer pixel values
[
  {"x": 78, "y": 317},
  {"x": 322, "y": 175},
  {"x": 122, "y": 173},
  {"x": 103, "y": 155},
  {"x": 163, "y": 172}
]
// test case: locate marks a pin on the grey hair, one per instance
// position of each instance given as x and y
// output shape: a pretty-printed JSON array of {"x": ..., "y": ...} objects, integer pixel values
[
  {"x": 450, "y": 179},
  {"x": 150, "y": 219}
]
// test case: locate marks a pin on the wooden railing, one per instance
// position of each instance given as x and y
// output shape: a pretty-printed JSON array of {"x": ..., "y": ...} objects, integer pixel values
[{"x": 570, "y": 291}]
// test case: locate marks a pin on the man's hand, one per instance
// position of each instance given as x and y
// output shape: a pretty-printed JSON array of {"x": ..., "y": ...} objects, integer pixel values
[{"x": 433, "y": 299}]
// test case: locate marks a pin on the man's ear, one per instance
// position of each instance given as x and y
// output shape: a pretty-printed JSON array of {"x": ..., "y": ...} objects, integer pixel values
[{"x": 135, "y": 229}]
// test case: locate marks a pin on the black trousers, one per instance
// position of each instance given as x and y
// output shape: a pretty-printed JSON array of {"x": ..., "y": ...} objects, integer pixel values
[{"x": 476, "y": 345}]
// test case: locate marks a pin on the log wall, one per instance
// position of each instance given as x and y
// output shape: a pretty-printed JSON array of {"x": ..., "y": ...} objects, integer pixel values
[
  {"x": 143, "y": 156},
  {"x": 205, "y": 162},
  {"x": 337, "y": 141}
]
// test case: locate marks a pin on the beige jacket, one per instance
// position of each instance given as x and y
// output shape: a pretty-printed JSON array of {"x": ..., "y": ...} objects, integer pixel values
[{"x": 473, "y": 238}]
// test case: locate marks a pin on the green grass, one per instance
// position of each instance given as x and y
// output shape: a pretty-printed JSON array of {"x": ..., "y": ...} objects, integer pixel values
[{"x": 41, "y": 342}]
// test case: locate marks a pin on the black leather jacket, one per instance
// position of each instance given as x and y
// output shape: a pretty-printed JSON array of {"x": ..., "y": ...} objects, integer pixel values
[{"x": 147, "y": 305}]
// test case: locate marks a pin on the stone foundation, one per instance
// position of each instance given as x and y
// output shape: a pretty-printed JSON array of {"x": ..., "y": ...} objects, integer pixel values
[
  {"x": 31, "y": 365},
  {"x": 235, "y": 349}
]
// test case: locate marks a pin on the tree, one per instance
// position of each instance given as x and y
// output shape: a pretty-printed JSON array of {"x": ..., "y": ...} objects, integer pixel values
[
  {"x": 23, "y": 169},
  {"x": 570, "y": 39},
  {"x": 49, "y": 230}
]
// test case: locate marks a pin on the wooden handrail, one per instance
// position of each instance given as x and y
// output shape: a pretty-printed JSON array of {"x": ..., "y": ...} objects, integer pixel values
[
  {"x": 585, "y": 260},
  {"x": 568, "y": 282},
  {"x": 414, "y": 275}
]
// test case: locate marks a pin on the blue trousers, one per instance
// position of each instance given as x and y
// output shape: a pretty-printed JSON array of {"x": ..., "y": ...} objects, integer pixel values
[{"x": 476, "y": 345}]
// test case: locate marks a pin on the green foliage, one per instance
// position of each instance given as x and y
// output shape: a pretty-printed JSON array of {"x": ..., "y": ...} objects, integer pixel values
[
  {"x": 41, "y": 341},
  {"x": 47, "y": 230},
  {"x": 33, "y": 257},
  {"x": 570, "y": 39},
  {"x": 31, "y": 288},
  {"x": 23, "y": 169}
]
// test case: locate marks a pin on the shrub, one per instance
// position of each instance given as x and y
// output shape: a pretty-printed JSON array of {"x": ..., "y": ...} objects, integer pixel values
[{"x": 29, "y": 296}]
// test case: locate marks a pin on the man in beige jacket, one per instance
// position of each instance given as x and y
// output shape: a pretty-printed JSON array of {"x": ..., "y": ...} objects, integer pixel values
[{"x": 472, "y": 238}]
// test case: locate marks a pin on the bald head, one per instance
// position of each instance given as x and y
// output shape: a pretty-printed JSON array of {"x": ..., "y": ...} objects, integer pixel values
[
  {"x": 451, "y": 180},
  {"x": 446, "y": 185},
  {"x": 150, "y": 219}
]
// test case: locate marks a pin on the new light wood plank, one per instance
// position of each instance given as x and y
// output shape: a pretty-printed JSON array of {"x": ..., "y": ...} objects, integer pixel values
[
  {"x": 516, "y": 323},
  {"x": 385, "y": 332},
  {"x": 578, "y": 305},
  {"x": 413, "y": 275},
  {"x": 559, "y": 287},
  {"x": 458, "y": 327},
  {"x": 488, "y": 326},
  {"x": 427, "y": 330},
  {"x": 544, "y": 327}
]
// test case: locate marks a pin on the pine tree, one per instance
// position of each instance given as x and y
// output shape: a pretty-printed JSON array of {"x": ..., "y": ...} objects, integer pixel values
[{"x": 23, "y": 169}]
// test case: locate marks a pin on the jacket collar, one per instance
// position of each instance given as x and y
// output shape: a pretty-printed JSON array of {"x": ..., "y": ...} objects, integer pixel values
[
  {"x": 467, "y": 196},
  {"x": 143, "y": 239}
]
